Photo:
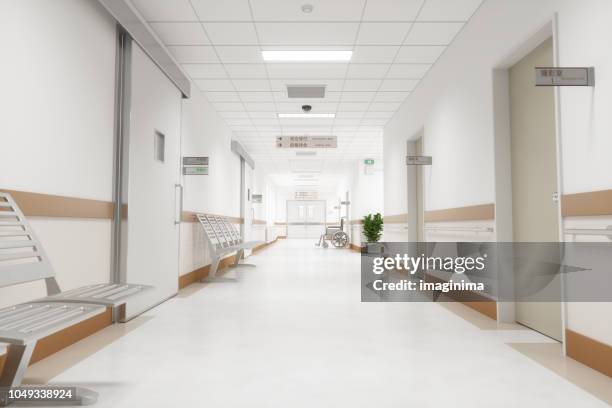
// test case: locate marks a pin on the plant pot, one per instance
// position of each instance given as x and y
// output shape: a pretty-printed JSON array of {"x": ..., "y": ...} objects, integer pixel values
[{"x": 374, "y": 248}]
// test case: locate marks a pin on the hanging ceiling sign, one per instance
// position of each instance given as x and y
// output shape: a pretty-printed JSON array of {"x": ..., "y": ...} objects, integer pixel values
[
  {"x": 306, "y": 195},
  {"x": 195, "y": 166},
  {"x": 552, "y": 76},
  {"x": 419, "y": 160},
  {"x": 307, "y": 142}
]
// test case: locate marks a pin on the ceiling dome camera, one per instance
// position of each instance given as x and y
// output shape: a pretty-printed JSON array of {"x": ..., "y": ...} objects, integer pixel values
[{"x": 306, "y": 108}]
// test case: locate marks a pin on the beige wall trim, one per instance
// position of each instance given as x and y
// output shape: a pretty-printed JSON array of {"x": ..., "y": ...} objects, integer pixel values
[
  {"x": 190, "y": 216},
  {"x": 587, "y": 204},
  {"x": 280, "y": 223},
  {"x": 355, "y": 248},
  {"x": 260, "y": 222},
  {"x": 55, "y": 342},
  {"x": 472, "y": 213},
  {"x": 47, "y": 205},
  {"x": 356, "y": 222},
  {"x": 396, "y": 219},
  {"x": 473, "y": 300},
  {"x": 589, "y": 352}
]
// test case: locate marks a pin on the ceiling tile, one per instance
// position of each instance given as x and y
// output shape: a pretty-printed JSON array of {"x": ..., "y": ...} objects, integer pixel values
[
  {"x": 204, "y": 71},
  {"x": 374, "y": 122},
  {"x": 231, "y": 33},
  {"x": 164, "y": 10},
  {"x": 433, "y": 33},
  {"x": 361, "y": 84},
  {"x": 350, "y": 115},
  {"x": 194, "y": 54},
  {"x": 180, "y": 33},
  {"x": 391, "y": 96},
  {"x": 358, "y": 96},
  {"x": 352, "y": 106},
  {"x": 257, "y": 96},
  {"x": 415, "y": 54},
  {"x": 332, "y": 85},
  {"x": 222, "y": 96},
  {"x": 383, "y": 33},
  {"x": 239, "y": 122},
  {"x": 239, "y": 54},
  {"x": 214, "y": 84},
  {"x": 307, "y": 70},
  {"x": 307, "y": 33},
  {"x": 374, "y": 54},
  {"x": 444, "y": 10},
  {"x": 291, "y": 10},
  {"x": 231, "y": 115},
  {"x": 259, "y": 85},
  {"x": 385, "y": 107},
  {"x": 367, "y": 70},
  {"x": 408, "y": 71},
  {"x": 317, "y": 107},
  {"x": 247, "y": 71},
  {"x": 225, "y": 10},
  {"x": 379, "y": 115},
  {"x": 260, "y": 106},
  {"x": 392, "y": 10},
  {"x": 398, "y": 85},
  {"x": 228, "y": 106}
]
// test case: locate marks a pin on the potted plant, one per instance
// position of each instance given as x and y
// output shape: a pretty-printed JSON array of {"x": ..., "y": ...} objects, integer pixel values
[{"x": 372, "y": 231}]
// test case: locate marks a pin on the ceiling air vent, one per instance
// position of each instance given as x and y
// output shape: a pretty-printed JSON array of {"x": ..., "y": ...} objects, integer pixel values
[{"x": 306, "y": 91}]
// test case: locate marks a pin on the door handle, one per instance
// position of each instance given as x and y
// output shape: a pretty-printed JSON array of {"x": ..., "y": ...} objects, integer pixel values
[{"x": 178, "y": 216}]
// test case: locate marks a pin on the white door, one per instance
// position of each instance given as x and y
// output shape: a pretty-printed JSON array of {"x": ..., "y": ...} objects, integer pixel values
[
  {"x": 154, "y": 172},
  {"x": 535, "y": 214},
  {"x": 305, "y": 218}
]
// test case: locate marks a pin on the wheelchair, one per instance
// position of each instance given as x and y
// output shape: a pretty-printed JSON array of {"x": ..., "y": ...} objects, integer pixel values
[{"x": 335, "y": 235}]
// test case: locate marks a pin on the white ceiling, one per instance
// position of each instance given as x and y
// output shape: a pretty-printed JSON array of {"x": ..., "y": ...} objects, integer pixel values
[{"x": 218, "y": 43}]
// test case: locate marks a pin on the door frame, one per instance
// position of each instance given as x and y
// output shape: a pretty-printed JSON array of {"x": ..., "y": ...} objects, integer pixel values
[
  {"x": 502, "y": 148},
  {"x": 305, "y": 213},
  {"x": 415, "y": 229}
]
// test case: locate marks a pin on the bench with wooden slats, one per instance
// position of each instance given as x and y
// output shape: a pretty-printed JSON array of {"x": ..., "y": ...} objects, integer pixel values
[
  {"x": 223, "y": 238},
  {"x": 23, "y": 259}
]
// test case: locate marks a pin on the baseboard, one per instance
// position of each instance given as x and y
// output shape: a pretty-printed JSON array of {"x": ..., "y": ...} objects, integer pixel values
[
  {"x": 589, "y": 352},
  {"x": 201, "y": 273},
  {"x": 473, "y": 300},
  {"x": 58, "y": 341},
  {"x": 355, "y": 248}
]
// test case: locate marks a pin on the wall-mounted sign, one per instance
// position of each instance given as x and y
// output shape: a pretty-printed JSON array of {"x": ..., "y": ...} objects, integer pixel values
[
  {"x": 368, "y": 162},
  {"x": 306, "y": 195},
  {"x": 257, "y": 198},
  {"x": 307, "y": 142},
  {"x": 419, "y": 160},
  {"x": 195, "y": 166},
  {"x": 551, "y": 76}
]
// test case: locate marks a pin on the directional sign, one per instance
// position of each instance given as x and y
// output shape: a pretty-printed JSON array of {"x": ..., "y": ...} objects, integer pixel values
[
  {"x": 368, "y": 162},
  {"x": 195, "y": 166},
  {"x": 257, "y": 198},
  {"x": 551, "y": 76},
  {"x": 419, "y": 160},
  {"x": 307, "y": 142}
]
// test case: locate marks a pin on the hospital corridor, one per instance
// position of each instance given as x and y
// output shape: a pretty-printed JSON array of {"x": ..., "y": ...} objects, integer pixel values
[{"x": 305, "y": 203}]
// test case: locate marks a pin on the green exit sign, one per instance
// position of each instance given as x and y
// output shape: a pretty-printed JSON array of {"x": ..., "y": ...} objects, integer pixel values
[{"x": 368, "y": 162}]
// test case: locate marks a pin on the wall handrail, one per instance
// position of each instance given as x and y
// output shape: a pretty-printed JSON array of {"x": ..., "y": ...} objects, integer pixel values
[
  {"x": 604, "y": 232},
  {"x": 475, "y": 229}
]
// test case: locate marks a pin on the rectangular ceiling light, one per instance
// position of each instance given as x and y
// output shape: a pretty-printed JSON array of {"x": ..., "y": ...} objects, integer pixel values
[
  {"x": 307, "y": 115},
  {"x": 306, "y": 55}
]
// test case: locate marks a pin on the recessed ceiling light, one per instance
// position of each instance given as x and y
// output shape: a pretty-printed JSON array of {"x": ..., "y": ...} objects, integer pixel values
[
  {"x": 307, "y": 115},
  {"x": 307, "y": 55}
]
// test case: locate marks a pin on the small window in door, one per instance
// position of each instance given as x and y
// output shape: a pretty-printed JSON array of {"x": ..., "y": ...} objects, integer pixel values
[{"x": 160, "y": 146}]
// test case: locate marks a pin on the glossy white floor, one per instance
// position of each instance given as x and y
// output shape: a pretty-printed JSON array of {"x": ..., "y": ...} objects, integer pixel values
[{"x": 293, "y": 333}]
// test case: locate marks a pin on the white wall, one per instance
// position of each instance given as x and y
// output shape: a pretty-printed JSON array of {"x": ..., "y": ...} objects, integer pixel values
[
  {"x": 454, "y": 105},
  {"x": 204, "y": 133},
  {"x": 57, "y": 115},
  {"x": 366, "y": 196}
]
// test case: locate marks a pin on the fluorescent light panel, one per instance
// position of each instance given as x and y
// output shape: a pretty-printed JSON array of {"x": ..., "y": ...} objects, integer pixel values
[
  {"x": 307, "y": 115},
  {"x": 307, "y": 55}
]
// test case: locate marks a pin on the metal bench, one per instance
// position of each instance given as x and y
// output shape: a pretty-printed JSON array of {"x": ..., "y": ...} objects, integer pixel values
[
  {"x": 23, "y": 259},
  {"x": 223, "y": 238}
]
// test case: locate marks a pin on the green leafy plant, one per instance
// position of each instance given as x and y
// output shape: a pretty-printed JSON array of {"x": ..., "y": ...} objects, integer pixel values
[{"x": 373, "y": 227}]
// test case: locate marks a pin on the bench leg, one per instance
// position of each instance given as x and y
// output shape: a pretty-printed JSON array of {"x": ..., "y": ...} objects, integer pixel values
[
  {"x": 239, "y": 256},
  {"x": 212, "y": 272},
  {"x": 17, "y": 361}
]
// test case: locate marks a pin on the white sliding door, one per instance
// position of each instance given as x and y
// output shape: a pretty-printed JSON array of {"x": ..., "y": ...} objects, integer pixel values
[{"x": 154, "y": 172}]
